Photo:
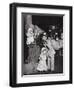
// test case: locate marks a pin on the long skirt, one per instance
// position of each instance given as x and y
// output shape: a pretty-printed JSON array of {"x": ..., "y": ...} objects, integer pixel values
[{"x": 33, "y": 56}]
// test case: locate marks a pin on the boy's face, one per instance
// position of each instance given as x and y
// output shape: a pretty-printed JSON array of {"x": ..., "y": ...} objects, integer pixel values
[{"x": 30, "y": 32}]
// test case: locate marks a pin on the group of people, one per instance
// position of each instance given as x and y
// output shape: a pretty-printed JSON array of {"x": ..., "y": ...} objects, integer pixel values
[
  {"x": 41, "y": 58},
  {"x": 46, "y": 58}
]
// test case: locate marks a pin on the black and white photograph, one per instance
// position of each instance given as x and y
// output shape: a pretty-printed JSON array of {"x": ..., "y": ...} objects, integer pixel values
[{"x": 40, "y": 44}]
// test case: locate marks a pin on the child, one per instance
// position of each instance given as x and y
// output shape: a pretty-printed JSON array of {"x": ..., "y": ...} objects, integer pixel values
[{"x": 42, "y": 63}]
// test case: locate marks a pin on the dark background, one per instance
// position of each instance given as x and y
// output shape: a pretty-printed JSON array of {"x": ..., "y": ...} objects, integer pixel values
[{"x": 45, "y": 21}]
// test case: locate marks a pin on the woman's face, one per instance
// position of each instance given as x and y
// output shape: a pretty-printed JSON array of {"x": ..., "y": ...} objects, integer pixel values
[{"x": 30, "y": 32}]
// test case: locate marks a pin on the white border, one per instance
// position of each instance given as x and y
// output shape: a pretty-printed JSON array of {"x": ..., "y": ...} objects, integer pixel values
[{"x": 47, "y": 77}]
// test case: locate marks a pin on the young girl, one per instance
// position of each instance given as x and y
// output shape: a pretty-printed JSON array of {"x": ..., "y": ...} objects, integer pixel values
[{"x": 42, "y": 63}]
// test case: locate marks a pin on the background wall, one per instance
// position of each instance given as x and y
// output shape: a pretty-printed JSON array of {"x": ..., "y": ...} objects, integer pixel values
[{"x": 4, "y": 43}]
